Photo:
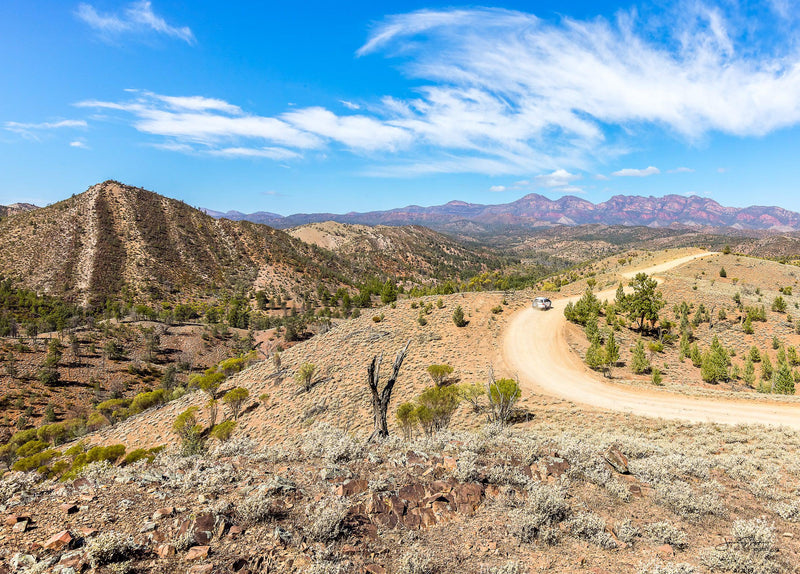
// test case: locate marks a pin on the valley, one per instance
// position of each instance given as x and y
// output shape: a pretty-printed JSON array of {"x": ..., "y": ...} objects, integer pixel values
[{"x": 214, "y": 415}]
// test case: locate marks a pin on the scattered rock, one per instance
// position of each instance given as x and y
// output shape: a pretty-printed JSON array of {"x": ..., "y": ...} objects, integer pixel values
[
  {"x": 163, "y": 512},
  {"x": 20, "y": 526},
  {"x": 148, "y": 527},
  {"x": 666, "y": 550},
  {"x": 352, "y": 487},
  {"x": 165, "y": 550},
  {"x": 69, "y": 508},
  {"x": 197, "y": 553},
  {"x": 59, "y": 541},
  {"x": 616, "y": 459}
]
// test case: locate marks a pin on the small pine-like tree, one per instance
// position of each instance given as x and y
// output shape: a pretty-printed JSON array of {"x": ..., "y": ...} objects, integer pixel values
[
  {"x": 695, "y": 355},
  {"x": 592, "y": 330},
  {"x": 656, "y": 377},
  {"x": 779, "y": 304},
  {"x": 621, "y": 300},
  {"x": 749, "y": 375},
  {"x": 714, "y": 366},
  {"x": 611, "y": 353},
  {"x": 782, "y": 380},
  {"x": 458, "y": 317},
  {"x": 639, "y": 361},
  {"x": 594, "y": 355},
  {"x": 722, "y": 272},
  {"x": 747, "y": 326},
  {"x": 685, "y": 346},
  {"x": 791, "y": 356},
  {"x": 755, "y": 354},
  {"x": 766, "y": 368}
]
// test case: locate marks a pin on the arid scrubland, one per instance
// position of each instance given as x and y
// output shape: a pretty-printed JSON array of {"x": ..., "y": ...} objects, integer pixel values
[{"x": 297, "y": 488}]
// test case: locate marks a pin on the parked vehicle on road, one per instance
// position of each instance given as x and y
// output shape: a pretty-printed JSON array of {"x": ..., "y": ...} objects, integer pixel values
[{"x": 542, "y": 303}]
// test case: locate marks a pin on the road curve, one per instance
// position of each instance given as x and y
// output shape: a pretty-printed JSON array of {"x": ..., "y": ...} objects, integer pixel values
[{"x": 536, "y": 350}]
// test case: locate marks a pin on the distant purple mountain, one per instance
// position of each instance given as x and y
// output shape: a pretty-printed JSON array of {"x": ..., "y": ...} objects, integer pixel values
[{"x": 535, "y": 210}]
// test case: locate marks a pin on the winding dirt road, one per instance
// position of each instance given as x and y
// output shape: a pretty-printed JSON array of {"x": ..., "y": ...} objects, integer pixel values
[{"x": 536, "y": 349}]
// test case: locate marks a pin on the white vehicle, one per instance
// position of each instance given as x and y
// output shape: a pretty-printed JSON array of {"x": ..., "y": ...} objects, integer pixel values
[{"x": 542, "y": 303}]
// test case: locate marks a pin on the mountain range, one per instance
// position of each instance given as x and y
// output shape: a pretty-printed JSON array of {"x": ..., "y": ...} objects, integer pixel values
[
  {"x": 535, "y": 210},
  {"x": 118, "y": 242}
]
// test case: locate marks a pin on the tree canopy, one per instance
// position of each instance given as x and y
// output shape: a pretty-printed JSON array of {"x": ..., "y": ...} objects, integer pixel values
[{"x": 645, "y": 302}]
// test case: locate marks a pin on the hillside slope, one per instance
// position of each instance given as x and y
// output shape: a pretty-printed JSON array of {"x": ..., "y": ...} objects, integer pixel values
[
  {"x": 413, "y": 251},
  {"x": 116, "y": 241}
]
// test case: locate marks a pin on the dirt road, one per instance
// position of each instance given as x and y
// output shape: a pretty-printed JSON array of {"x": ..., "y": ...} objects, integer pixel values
[{"x": 535, "y": 348}]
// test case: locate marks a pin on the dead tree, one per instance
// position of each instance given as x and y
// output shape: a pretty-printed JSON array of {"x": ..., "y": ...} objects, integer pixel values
[{"x": 380, "y": 399}]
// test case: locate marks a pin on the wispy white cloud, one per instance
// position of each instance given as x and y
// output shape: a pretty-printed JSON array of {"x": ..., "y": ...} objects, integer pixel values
[
  {"x": 558, "y": 178},
  {"x": 681, "y": 170},
  {"x": 34, "y": 131},
  {"x": 194, "y": 124},
  {"x": 136, "y": 18},
  {"x": 266, "y": 152},
  {"x": 356, "y": 132},
  {"x": 20, "y": 126},
  {"x": 501, "y": 92},
  {"x": 78, "y": 144},
  {"x": 498, "y": 188},
  {"x": 631, "y": 172}
]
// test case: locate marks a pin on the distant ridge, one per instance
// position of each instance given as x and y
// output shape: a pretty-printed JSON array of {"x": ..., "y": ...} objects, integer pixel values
[
  {"x": 535, "y": 210},
  {"x": 15, "y": 208}
]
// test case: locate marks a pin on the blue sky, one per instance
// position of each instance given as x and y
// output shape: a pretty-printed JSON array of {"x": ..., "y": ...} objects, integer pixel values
[{"x": 323, "y": 106}]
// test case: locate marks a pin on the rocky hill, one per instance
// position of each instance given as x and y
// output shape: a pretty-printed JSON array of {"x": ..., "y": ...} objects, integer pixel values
[
  {"x": 412, "y": 251},
  {"x": 15, "y": 208},
  {"x": 535, "y": 210},
  {"x": 116, "y": 241}
]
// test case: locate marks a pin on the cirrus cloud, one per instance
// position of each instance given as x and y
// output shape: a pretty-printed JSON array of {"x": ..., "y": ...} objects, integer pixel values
[
  {"x": 136, "y": 18},
  {"x": 632, "y": 172},
  {"x": 503, "y": 92}
]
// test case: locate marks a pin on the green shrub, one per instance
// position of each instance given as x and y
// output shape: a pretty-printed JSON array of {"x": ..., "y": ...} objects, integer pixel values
[
  {"x": 75, "y": 450},
  {"x": 458, "y": 317},
  {"x": 35, "y": 461},
  {"x": 439, "y": 373},
  {"x": 55, "y": 433},
  {"x": 189, "y": 432},
  {"x": 714, "y": 367},
  {"x": 223, "y": 430},
  {"x": 639, "y": 361},
  {"x": 407, "y": 418},
  {"x": 235, "y": 399},
  {"x": 31, "y": 447},
  {"x": 503, "y": 396},
  {"x": 144, "y": 401},
  {"x": 305, "y": 375},
  {"x": 779, "y": 304},
  {"x": 108, "y": 454}
]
